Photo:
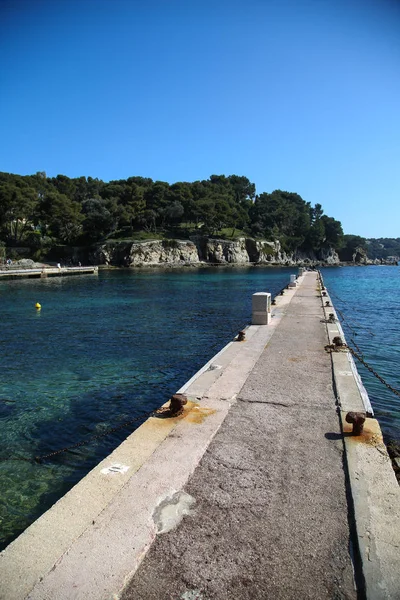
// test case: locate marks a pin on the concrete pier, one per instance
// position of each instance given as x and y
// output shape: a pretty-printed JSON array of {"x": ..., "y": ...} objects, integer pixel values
[
  {"x": 44, "y": 272},
  {"x": 258, "y": 490},
  {"x": 271, "y": 517}
]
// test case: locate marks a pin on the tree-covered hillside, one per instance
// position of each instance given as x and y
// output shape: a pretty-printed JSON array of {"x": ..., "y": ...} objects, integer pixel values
[
  {"x": 383, "y": 247},
  {"x": 39, "y": 212},
  {"x": 373, "y": 248}
]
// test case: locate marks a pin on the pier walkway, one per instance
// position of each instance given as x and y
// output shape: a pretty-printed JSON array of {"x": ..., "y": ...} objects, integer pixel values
[
  {"x": 256, "y": 491},
  {"x": 47, "y": 271},
  {"x": 270, "y": 518}
]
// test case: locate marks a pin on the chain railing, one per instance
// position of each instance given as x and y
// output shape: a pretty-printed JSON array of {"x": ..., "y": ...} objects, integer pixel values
[
  {"x": 354, "y": 323},
  {"x": 339, "y": 346},
  {"x": 372, "y": 370}
]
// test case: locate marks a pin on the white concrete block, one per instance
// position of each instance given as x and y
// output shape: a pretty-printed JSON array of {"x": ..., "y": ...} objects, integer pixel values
[
  {"x": 261, "y": 308},
  {"x": 260, "y": 318}
]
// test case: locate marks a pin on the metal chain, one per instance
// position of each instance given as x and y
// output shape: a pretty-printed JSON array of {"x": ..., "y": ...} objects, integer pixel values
[
  {"x": 358, "y": 354},
  {"x": 331, "y": 348},
  {"x": 356, "y": 323},
  {"x": 346, "y": 348},
  {"x": 372, "y": 370},
  {"x": 344, "y": 320},
  {"x": 40, "y": 459},
  {"x": 356, "y": 346}
]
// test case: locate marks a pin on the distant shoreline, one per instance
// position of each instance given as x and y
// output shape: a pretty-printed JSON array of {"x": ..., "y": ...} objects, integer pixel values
[{"x": 172, "y": 266}]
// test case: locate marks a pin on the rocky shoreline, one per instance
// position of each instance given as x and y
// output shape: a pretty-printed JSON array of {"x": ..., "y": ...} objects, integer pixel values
[
  {"x": 200, "y": 251},
  {"x": 196, "y": 252},
  {"x": 205, "y": 251}
]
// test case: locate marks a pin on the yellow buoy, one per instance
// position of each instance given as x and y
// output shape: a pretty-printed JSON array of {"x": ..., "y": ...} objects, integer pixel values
[{"x": 38, "y": 306}]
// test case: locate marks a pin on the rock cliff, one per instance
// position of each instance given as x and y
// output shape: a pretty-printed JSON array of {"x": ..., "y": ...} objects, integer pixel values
[
  {"x": 205, "y": 250},
  {"x": 157, "y": 252}
]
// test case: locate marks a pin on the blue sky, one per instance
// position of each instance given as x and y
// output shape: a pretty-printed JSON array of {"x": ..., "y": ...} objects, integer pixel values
[{"x": 300, "y": 95}]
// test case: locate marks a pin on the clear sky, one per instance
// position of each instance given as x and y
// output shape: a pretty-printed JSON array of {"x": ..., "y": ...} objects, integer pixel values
[{"x": 300, "y": 95}]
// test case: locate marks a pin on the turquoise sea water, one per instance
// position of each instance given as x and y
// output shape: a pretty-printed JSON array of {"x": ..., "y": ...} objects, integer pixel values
[
  {"x": 369, "y": 300},
  {"x": 106, "y": 349},
  {"x": 102, "y": 351}
]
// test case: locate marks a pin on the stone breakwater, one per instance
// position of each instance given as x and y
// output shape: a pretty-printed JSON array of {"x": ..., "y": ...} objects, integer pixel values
[{"x": 206, "y": 251}]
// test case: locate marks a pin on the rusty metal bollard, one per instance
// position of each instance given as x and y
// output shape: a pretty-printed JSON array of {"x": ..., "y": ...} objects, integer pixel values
[
  {"x": 241, "y": 336},
  {"x": 358, "y": 420},
  {"x": 176, "y": 404}
]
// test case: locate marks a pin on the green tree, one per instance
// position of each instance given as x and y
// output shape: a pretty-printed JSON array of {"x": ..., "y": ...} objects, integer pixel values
[
  {"x": 156, "y": 198},
  {"x": 181, "y": 192},
  {"x": 64, "y": 185},
  {"x": 244, "y": 191},
  {"x": 98, "y": 220},
  {"x": 333, "y": 232},
  {"x": 316, "y": 235},
  {"x": 17, "y": 204},
  {"x": 282, "y": 214},
  {"x": 58, "y": 216},
  {"x": 316, "y": 213},
  {"x": 173, "y": 213},
  {"x": 351, "y": 245}
]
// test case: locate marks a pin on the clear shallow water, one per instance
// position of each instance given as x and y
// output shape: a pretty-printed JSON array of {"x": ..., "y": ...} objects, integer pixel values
[
  {"x": 369, "y": 300},
  {"x": 106, "y": 349},
  {"x": 102, "y": 351}
]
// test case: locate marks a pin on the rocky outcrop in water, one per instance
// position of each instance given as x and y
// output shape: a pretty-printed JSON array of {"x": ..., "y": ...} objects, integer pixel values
[
  {"x": 360, "y": 257},
  {"x": 205, "y": 250}
]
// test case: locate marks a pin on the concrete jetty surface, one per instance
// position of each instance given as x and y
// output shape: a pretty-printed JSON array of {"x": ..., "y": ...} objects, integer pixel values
[
  {"x": 270, "y": 518},
  {"x": 46, "y": 271},
  {"x": 257, "y": 491}
]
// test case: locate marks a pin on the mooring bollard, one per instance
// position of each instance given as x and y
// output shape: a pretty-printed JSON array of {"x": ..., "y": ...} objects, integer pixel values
[
  {"x": 301, "y": 271},
  {"x": 292, "y": 283},
  {"x": 357, "y": 419},
  {"x": 261, "y": 308}
]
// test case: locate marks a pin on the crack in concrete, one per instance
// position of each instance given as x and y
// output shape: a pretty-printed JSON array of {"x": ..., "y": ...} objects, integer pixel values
[{"x": 266, "y": 402}]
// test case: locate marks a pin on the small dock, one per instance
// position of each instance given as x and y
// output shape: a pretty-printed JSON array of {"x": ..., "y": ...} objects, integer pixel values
[
  {"x": 44, "y": 272},
  {"x": 260, "y": 488}
]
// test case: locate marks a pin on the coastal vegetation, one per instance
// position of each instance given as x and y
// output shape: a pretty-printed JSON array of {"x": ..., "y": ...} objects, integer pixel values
[{"x": 39, "y": 213}]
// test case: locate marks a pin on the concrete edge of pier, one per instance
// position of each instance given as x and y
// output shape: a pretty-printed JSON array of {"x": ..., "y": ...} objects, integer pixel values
[
  {"x": 125, "y": 491},
  {"x": 47, "y": 271},
  {"x": 156, "y": 460},
  {"x": 373, "y": 488}
]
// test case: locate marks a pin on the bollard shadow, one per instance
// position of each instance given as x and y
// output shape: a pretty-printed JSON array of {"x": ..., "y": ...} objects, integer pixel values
[
  {"x": 338, "y": 436},
  {"x": 333, "y": 436}
]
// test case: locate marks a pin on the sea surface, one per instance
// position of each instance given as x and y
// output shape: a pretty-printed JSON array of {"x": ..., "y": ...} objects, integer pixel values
[
  {"x": 368, "y": 299},
  {"x": 105, "y": 350}
]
